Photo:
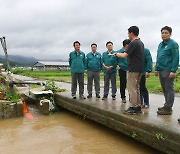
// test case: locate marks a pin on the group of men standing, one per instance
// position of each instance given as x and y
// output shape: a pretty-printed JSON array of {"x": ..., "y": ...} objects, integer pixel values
[{"x": 134, "y": 63}]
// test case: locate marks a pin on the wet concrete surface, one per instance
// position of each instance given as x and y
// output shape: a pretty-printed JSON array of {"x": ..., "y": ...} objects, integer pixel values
[{"x": 148, "y": 115}]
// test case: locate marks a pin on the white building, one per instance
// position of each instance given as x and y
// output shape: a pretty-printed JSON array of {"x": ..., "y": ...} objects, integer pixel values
[{"x": 48, "y": 65}]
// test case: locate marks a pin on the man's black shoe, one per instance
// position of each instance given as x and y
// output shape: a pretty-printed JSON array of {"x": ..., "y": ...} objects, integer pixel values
[
  {"x": 138, "y": 109},
  {"x": 104, "y": 97},
  {"x": 82, "y": 97},
  {"x": 123, "y": 100},
  {"x": 98, "y": 96},
  {"x": 132, "y": 111},
  {"x": 179, "y": 120},
  {"x": 114, "y": 97},
  {"x": 89, "y": 96},
  {"x": 162, "y": 108},
  {"x": 164, "y": 111},
  {"x": 74, "y": 96}
]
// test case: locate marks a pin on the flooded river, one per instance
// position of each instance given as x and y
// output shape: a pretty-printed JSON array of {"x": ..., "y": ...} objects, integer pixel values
[{"x": 64, "y": 133}]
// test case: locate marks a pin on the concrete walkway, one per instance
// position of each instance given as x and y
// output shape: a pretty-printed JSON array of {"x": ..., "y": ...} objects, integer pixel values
[
  {"x": 160, "y": 132},
  {"x": 156, "y": 100}
]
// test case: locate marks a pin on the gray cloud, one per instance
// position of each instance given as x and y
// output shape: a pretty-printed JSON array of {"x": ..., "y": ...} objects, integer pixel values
[{"x": 47, "y": 28}]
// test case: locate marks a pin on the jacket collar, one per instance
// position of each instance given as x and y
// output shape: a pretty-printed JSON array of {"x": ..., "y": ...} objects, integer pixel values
[
  {"x": 110, "y": 52},
  {"x": 166, "y": 43},
  {"x": 78, "y": 52},
  {"x": 94, "y": 53}
]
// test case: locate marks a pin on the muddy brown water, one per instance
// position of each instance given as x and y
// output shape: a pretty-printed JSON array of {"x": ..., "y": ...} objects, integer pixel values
[{"x": 64, "y": 133}]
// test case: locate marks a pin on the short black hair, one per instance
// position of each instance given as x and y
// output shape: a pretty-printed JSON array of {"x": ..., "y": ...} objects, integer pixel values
[
  {"x": 126, "y": 41},
  {"x": 109, "y": 42},
  {"x": 134, "y": 30},
  {"x": 169, "y": 29},
  {"x": 93, "y": 44},
  {"x": 76, "y": 42}
]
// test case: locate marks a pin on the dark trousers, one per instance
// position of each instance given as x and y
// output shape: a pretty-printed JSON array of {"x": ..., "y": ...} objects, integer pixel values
[
  {"x": 77, "y": 77},
  {"x": 167, "y": 85},
  {"x": 123, "y": 81},
  {"x": 144, "y": 94},
  {"x": 93, "y": 76},
  {"x": 107, "y": 78}
]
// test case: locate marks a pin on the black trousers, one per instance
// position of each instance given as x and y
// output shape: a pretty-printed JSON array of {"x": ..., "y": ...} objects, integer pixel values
[
  {"x": 123, "y": 81},
  {"x": 107, "y": 78},
  {"x": 167, "y": 85},
  {"x": 77, "y": 77},
  {"x": 143, "y": 91}
]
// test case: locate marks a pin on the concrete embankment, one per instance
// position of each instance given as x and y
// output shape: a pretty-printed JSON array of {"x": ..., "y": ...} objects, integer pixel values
[
  {"x": 9, "y": 109},
  {"x": 159, "y": 132}
]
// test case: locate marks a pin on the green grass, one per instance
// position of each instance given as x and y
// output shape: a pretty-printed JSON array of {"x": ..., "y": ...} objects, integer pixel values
[
  {"x": 152, "y": 82},
  {"x": 14, "y": 97}
]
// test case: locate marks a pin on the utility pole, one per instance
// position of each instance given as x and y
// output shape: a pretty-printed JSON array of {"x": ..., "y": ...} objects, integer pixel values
[{"x": 4, "y": 46}]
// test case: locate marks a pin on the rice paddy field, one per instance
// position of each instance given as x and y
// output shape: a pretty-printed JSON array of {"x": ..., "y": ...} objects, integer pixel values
[{"x": 152, "y": 82}]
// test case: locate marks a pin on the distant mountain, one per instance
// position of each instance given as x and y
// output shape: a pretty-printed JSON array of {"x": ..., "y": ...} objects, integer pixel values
[
  {"x": 17, "y": 60},
  {"x": 55, "y": 60},
  {"x": 2, "y": 60},
  {"x": 20, "y": 60}
]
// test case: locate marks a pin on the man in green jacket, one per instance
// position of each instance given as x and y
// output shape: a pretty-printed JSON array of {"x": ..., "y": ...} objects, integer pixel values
[
  {"x": 109, "y": 64},
  {"x": 167, "y": 63},
  {"x": 77, "y": 66},
  {"x": 93, "y": 68},
  {"x": 122, "y": 69},
  {"x": 147, "y": 69}
]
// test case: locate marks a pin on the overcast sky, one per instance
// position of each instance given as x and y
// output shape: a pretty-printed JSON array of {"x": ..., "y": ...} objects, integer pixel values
[{"x": 46, "y": 29}]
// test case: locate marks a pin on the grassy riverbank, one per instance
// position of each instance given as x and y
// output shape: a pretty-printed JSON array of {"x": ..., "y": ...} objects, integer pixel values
[{"x": 152, "y": 83}]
